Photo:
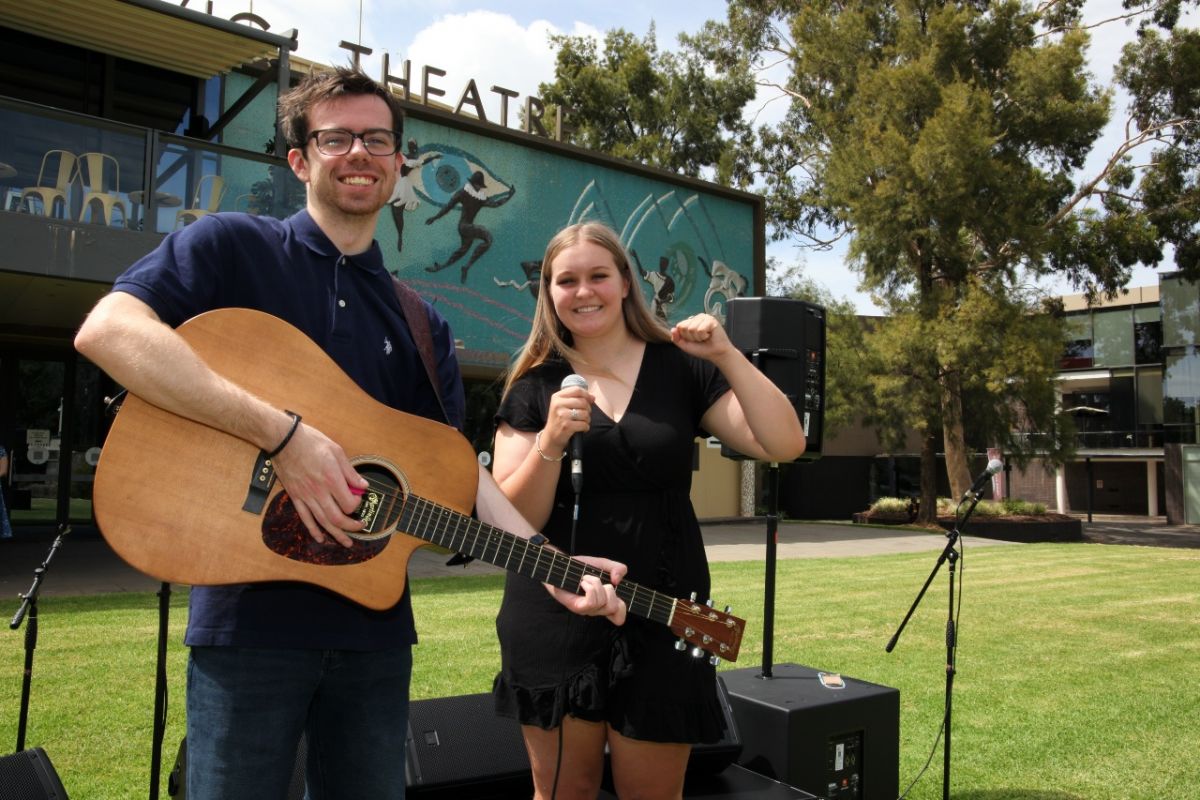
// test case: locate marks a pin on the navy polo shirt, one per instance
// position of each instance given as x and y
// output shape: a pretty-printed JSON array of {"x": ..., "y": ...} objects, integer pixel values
[{"x": 348, "y": 306}]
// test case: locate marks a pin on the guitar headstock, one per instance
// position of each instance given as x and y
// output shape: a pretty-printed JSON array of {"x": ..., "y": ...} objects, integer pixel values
[{"x": 715, "y": 632}]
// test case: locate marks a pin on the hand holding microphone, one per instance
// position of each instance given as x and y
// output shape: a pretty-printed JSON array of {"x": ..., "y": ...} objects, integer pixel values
[{"x": 575, "y": 445}]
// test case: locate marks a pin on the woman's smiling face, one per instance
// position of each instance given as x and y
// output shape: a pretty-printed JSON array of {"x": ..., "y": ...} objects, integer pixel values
[{"x": 587, "y": 289}]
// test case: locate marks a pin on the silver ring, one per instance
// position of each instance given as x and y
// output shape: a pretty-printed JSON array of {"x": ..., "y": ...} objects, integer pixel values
[{"x": 575, "y": 414}]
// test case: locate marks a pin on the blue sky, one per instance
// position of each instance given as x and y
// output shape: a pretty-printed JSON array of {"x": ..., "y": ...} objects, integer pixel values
[{"x": 505, "y": 43}]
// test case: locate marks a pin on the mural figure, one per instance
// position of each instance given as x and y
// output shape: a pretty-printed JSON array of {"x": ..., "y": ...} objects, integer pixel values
[
  {"x": 663, "y": 283},
  {"x": 404, "y": 196},
  {"x": 472, "y": 197},
  {"x": 532, "y": 270},
  {"x": 722, "y": 282}
]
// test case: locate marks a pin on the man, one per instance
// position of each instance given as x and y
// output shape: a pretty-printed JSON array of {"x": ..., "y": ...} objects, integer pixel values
[{"x": 270, "y": 661}]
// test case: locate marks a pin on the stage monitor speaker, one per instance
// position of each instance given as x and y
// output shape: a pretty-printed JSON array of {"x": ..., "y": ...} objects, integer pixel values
[
  {"x": 177, "y": 777},
  {"x": 785, "y": 339},
  {"x": 459, "y": 748},
  {"x": 29, "y": 775},
  {"x": 716, "y": 756},
  {"x": 836, "y": 743}
]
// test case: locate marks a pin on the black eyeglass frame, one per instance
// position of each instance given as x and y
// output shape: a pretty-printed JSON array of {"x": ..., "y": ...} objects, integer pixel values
[{"x": 361, "y": 136}]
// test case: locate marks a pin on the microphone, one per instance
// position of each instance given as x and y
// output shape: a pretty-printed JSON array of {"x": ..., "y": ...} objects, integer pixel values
[
  {"x": 575, "y": 445},
  {"x": 992, "y": 468}
]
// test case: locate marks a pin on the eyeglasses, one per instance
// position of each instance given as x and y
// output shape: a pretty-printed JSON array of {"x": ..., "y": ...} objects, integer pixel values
[{"x": 339, "y": 142}]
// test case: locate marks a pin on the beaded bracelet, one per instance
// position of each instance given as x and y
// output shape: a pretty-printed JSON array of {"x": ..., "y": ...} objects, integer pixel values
[
  {"x": 288, "y": 436},
  {"x": 537, "y": 443}
]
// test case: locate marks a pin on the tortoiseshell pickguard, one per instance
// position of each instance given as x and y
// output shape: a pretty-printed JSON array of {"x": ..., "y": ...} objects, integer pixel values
[{"x": 285, "y": 534}]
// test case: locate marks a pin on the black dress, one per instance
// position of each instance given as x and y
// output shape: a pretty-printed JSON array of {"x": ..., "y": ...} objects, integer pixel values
[{"x": 634, "y": 508}]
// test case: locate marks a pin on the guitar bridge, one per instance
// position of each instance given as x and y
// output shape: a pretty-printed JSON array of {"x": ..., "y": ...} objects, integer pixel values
[{"x": 262, "y": 478}]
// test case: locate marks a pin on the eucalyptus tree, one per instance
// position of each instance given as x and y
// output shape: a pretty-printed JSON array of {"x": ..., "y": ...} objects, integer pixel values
[{"x": 948, "y": 141}]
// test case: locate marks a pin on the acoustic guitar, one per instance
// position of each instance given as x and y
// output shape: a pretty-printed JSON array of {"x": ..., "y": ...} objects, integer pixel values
[{"x": 187, "y": 503}]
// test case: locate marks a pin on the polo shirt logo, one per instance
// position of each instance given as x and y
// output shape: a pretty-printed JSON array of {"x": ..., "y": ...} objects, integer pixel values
[{"x": 387, "y": 346}]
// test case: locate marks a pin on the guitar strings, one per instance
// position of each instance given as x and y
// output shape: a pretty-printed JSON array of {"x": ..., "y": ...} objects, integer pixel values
[{"x": 562, "y": 568}]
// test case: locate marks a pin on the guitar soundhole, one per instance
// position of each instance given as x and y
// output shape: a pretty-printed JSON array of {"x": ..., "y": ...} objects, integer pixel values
[
  {"x": 379, "y": 510},
  {"x": 285, "y": 534}
]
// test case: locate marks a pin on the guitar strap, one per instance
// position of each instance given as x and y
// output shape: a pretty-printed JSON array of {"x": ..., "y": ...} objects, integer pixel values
[{"x": 418, "y": 325}]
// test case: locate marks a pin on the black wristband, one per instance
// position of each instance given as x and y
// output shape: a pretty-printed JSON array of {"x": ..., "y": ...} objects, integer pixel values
[{"x": 287, "y": 436}]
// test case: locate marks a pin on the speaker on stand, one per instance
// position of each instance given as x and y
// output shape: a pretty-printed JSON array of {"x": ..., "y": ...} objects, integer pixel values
[
  {"x": 837, "y": 738},
  {"x": 785, "y": 339},
  {"x": 29, "y": 775}
]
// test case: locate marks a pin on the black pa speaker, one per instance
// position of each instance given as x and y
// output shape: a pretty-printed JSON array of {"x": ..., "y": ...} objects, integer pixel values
[
  {"x": 177, "y": 778},
  {"x": 833, "y": 736},
  {"x": 29, "y": 775},
  {"x": 459, "y": 748},
  {"x": 716, "y": 756},
  {"x": 785, "y": 339}
]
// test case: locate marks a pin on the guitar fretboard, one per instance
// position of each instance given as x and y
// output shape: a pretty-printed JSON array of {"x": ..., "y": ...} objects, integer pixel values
[{"x": 455, "y": 531}]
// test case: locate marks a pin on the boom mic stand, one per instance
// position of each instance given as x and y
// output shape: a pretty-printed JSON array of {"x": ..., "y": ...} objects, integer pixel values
[
  {"x": 29, "y": 606},
  {"x": 949, "y": 555}
]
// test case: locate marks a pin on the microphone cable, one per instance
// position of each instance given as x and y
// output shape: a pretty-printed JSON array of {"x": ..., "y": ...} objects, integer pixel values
[{"x": 562, "y": 678}]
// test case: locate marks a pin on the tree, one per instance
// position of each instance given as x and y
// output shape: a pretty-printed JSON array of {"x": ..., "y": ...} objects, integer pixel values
[
  {"x": 945, "y": 139},
  {"x": 630, "y": 100}
]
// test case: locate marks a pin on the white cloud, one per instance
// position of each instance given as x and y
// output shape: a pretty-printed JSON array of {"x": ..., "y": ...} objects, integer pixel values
[{"x": 491, "y": 48}]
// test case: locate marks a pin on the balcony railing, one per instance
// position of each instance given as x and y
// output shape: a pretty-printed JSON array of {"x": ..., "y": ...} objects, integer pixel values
[
  {"x": 153, "y": 181},
  {"x": 1147, "y": 437}
]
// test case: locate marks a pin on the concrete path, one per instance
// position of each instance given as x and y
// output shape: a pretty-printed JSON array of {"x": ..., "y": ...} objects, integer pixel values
[{"x": 84, "y": 564}]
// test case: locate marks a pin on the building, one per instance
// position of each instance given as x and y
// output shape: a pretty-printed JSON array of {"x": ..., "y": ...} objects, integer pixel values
[
  {"x": 1130, "y": 377},
  {"x": 122, "y": 120}
]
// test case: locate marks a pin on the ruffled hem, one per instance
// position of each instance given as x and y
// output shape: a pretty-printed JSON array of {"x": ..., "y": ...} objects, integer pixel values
[{"x": 582, "y": 695}]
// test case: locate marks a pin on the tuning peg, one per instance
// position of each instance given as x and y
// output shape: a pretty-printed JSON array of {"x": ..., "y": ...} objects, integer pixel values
[
  {"x": 714, "y": 660},
  {"x": 681, "y": 645},
  {"x": 697, "y": 652}
]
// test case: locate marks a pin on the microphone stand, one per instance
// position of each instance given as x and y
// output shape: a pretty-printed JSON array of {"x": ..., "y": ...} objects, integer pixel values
[
  {"x": 949, "y": 555},
  {"x": 160, "y": 690},
  {"x": 29, "y": 606}
]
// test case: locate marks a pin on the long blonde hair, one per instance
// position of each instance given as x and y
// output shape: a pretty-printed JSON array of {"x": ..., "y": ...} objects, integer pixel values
[{"x": 548, "y": 337}]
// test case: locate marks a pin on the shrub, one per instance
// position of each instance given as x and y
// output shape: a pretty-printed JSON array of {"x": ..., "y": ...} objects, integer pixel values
[{"x": 890, "y": 506}]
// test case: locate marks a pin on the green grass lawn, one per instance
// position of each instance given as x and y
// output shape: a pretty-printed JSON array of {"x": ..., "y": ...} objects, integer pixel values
[{"x": 1077, "y": 666}]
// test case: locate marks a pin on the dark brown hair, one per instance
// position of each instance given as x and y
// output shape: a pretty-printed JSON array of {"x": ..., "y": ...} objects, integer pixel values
[{"x": 321, "y": 85}]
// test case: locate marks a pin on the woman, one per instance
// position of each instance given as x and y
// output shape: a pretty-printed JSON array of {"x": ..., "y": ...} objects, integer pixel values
[{"x": 650, "y": 392}]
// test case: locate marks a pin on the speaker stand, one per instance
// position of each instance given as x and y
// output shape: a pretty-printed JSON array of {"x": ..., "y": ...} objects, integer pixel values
[
  {"x": 29, "y": 606},
  {"x": 769, "y": 577}
]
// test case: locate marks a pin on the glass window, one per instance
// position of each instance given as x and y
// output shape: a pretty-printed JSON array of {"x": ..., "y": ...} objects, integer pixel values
[
  {"x": 1180, "y": 311},
  {"x": 1113, "y": 337},
  {"x": 1078, "y": 350},
  {"x": 1181, "y": 388},
  {"x": 1147, "y": 342},
  {"x": 1150, "y": 397}
]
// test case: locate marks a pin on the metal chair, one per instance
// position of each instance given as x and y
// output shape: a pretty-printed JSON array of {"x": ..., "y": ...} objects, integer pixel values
[
  {"x": 54, "y": 181},
  {"x": 93, "y": 169},
  {"x": 216, "y": 191}
]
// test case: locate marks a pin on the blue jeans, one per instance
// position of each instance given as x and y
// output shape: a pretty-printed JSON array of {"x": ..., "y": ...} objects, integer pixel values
[{"x": 247, "y": 707}]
